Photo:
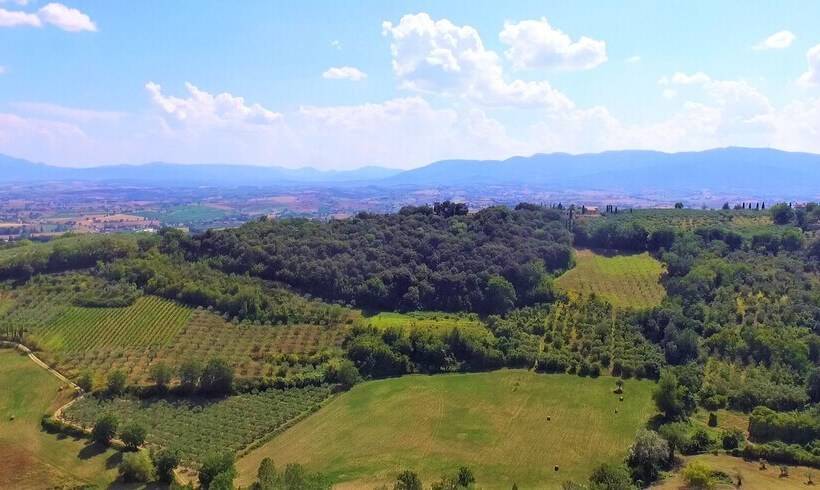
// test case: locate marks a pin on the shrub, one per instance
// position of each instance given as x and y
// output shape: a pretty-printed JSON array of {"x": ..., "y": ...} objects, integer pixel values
[
  {"x": 105, "y": 429},
  {"x": 732, "y": 439},
  {"x": 698, "y": 477},
  {"x": 165, "y": 461},
  {"x": 133, "y": 436},
  {"x": 215, "y": 464},
  {"x": 116, "y": 382},
  {"x": 161, "y": 374},
  {"x": 408, "y": 480},
  {"x": 85, "y": 381},
  {"x": 648, "y": 455},
  {"x": 217, "y": 378},
  {"x": 701, "y": 441},
  {"x": 611, "y": 476},
  {"x": 136, "y": 467}
]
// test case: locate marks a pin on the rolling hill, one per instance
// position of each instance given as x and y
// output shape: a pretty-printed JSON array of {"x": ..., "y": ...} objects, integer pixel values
[{"x": 758, "y": 171}]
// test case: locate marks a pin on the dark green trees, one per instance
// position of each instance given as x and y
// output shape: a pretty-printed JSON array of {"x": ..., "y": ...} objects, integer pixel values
[{"x": 105, "y": 429}]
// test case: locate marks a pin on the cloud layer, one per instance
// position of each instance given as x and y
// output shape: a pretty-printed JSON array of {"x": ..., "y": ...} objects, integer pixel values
[
  {"x": 56, "y": 14},
  {"x": 457, "y": 99}
]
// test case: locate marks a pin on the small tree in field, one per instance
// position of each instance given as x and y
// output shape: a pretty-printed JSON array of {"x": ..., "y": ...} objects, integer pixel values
[
  {"x": 136, "y": 467},
  {"x": 217, "y": 378},
  {"x": 85, "y": 381},
  {"x": 105, "y": 429},
  {"x": 161, "y": 374},
  {"x": 133, "y": 436},
  {"x": 214, "y": 465},
  {"x": 116, "y": 382},
  {"x": 189, "y": 373},
  {"x": 165, "y": 461}
]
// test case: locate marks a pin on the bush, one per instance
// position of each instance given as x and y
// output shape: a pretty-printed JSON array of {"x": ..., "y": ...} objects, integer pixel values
[
  {"x": 133, "y": 436},
  {"x": 217, "y": 378},
  {"x": 116, "y": 382},
  {"x": 700, "y": 442},
  {"x": 648, "y": 455},
  {"x": 732, "y": 439},
  {"x": 778, "y": 452},
  {"x": 408, "y": 480},
  {"x": 85, "y": 381},
  {"x": 698, "y": 477},
  {"x": 214, "y": 465},
  {"x": 105, "y": 429},
  {"x": 611, "y": 476},
  {"x": 165, "y": 461},
  {"x": 161, "y": 374},
  {"x": 343, "y": 372},
  {"x": 136, "y": 467}
]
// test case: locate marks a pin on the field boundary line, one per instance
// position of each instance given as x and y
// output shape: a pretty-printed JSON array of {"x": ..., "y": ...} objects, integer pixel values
[{"x": 25, "y": 350}]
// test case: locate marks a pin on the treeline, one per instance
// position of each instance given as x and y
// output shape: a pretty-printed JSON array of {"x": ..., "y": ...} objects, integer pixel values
[
  {"x": 432, "y": 258},
  {"x": 582, "y": 337},
  {"x": 68, "y": 253},
  {"x": 791, "y": 427},
  {"x": 236, "y": 297}
]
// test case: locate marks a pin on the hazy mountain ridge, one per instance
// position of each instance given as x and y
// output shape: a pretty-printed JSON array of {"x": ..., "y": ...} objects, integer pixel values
[{"x": 758, "y": 170}]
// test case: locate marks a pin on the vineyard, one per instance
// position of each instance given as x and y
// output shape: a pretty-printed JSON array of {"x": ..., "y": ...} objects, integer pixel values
[
  {"x": 623, "y": 280},
  {"x": 254, "y": 351},
  {"x": 150, "y": 321},
  {"x": 198, "y": 427}
]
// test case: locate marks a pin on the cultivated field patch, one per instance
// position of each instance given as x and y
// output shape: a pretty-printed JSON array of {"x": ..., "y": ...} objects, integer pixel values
[
  {"x": 198, "y": 427},
  {"x": 509, "y": 426},
  {"x": 623, "y": 280}
]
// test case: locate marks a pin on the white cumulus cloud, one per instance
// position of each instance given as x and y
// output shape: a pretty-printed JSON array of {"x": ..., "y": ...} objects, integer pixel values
[
  {"x": 12, "y": 18},
  {"x": 56, "y": 14},
  {"x": 812, "y": 75},
  {"x": 66, "y": 18},
  {"x": 437, "y": 56},
  {"x": 203, "y": 108},
  {"x": 778, "y": 40},
  {"x": 344, "y": 73},
  {"x": 536, "y": 44}
]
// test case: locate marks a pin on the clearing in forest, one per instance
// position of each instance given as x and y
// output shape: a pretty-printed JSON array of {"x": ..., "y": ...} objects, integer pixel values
[
  {"x": 509, "y": 426},
  {"x": 623, "y": 280},
  {"x": 31, "y": 458}
]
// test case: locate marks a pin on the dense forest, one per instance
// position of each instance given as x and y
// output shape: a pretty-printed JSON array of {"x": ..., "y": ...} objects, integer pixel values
[{"x": 423, "y": 258}]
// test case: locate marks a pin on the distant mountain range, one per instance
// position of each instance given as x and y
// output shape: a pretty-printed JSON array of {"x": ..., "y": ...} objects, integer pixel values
[{"x": 759, "y": 171}]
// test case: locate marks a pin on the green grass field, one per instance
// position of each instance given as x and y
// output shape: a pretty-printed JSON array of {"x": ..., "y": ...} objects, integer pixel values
[
  {"x": 495, "y": 422},
  {"x": 186, "y": 214},
  {"x": 29, "y": 457},
  {"x": 623, "y": 280}
]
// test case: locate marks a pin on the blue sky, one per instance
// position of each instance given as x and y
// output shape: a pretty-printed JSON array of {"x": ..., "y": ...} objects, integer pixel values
[{"x": 343, "y": 84}]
